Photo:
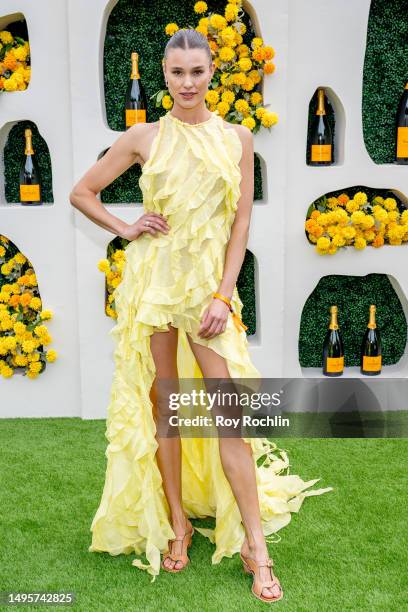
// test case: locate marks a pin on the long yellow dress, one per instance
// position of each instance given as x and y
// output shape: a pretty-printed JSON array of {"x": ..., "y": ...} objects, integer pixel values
[{"x": 193, "y": 177}]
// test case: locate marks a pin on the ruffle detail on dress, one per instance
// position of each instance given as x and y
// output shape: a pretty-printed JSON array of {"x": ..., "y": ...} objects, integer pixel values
[{"x": 169, "y": 280}]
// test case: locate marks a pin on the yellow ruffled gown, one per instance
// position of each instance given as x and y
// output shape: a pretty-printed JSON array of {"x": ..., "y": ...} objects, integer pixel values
[{"x": 192, "y": 177}]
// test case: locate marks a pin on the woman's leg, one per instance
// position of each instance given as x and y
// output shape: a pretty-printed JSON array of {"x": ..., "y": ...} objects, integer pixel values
[
  {"x": 163, "y": 346},
  {"x": 238, "y": 465}
]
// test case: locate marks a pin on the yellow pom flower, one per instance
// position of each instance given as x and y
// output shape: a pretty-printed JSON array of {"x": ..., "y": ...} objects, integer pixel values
[
  {"x": 357, "y": 217},
  {"x": 171, "y": 28},
  {"x": 51, "y": 355},
  {"x": 259, "y": 112},
  {"x": 248, "y": 85},
  {"x": 5, "y": 37},
  {"x": 241, "y": 106},
  {"x": 167, "y": 102},
  {"x": 249, "y": 122},
  {"x": 28, "y": 346},
  {"x": 269, "y": 119},
  {"x": 244, "y": 64},
  {"x": 360, "y": 198},
  {"x": 31, "y": 374},
  {"x": 200, "y": 7},
  {"x": 368, "y": 222},
  {"x": 7, "y": 372},
  {"x": 21, "y": 360},
  {"x": 19, "y": 327},
  {"x": 203, "y": 30},
  {"x": 379, "y": 213},
  {"x": 212, "y": 97},
  {"x": 360, "y": 243},
  {"x": 340, "y": 216},
  {"x": 227, "y": 36},
  {"x": 243, "y": 50},
  {"x": 231, "y": 12},
  {"x": 104, "y": 265},
  {"x": 338, "y": 240},
  {"x": 20, "y": 53},
  {"x": 390, "y": 203},
  {"x": 46, "y": 314},
  {"x": 218, "y": 22},
  {"x": 323, "y": 243},
  {"x": 228, "y": 97},
  {"x": 223, "y": 108},
  {"x": 255, "y": 98},
  {"x": 393, "y": 215},
  {"x": 352, "y": 206},
  {"x": 239, "y": 78},
  {"x": 35, "y": 366},
  {"x": 348, "y": 232},
  {"x": 35, "y": 303},
  {"x": 256, "y": 42},
  {"x": 369, "y": 235},
  {"x": 226, "y": 54}
]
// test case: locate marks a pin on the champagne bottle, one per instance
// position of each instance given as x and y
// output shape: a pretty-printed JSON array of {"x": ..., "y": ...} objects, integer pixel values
[
  {"x": 136, "y": 103},
  {"x": 333, "y": 351},
  {"x": 321, "y": 152},
  {"x": 371, "y": 347},
  {"x": 401, "y": 154},
  {"x": 30, "y": 180}
]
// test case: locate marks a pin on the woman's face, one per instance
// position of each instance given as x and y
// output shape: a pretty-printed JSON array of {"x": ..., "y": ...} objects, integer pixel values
[{"x": 188, "y": 72}]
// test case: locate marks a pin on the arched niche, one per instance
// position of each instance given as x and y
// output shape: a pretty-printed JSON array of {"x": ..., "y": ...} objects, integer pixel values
[
  {"x": 401, "y": 199},
  {"x": 353, "y": 296},
  {"x": 336, "y": 118},
  {"x": 12, "y": 141},
  {"x": 384, "y": 76},
  {"x": 20, "y": 308},
  {"x": 140, "y": 27},
  {"x": 16, "y": 24}
]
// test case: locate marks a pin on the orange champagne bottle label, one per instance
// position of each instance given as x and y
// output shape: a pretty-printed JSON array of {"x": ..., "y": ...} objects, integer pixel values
[
  {"x": 321, "y": 153},
  {"x": 137, "y": 115},
  {"x": 335, "y": 364},
  {"x": 29, "y": 193},
  {"x": 402, "y": 142},
  {"x": 372, "y": 364}
]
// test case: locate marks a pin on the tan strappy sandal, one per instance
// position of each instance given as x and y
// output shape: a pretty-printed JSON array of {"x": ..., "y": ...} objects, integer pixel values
[
  {"x": 186, "y": 541},
  {"x": 252, "y": 567}
]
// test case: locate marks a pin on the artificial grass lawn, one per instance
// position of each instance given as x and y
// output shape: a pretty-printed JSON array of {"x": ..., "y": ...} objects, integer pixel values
[{"x": 343, "y": 551}]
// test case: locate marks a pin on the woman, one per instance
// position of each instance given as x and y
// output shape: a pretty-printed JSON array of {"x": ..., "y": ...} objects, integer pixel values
[{"x": 178, "y": 315}]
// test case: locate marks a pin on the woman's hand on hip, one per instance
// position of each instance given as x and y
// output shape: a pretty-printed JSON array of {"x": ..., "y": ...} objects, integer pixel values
[
  {"x": 214, "y": 319},
  {"x": 150, "y": 222}
]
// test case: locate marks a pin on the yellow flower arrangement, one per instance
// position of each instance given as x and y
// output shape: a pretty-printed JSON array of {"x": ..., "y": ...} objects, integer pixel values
[
  {"x": 337, "y": 222},
  {"x": 15, "y": 70},
  {"x": 112, "y": 267},
  {"x": 239, "y": 67},
  {"x": 23, "y": 334}
]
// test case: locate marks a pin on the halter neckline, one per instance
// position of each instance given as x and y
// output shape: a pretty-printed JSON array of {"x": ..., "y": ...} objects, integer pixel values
[{"x": 190, "y": 125}]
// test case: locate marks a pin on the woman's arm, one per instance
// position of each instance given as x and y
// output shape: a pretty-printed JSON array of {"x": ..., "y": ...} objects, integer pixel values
[
  {"x": 238, "y": 241},
  {"x": 121, "y": 155}
]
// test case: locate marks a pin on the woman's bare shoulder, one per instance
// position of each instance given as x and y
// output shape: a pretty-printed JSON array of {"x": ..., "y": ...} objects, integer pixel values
[
  {"x": 244, "y": 133},
  {"x": 143, "y": 135}
]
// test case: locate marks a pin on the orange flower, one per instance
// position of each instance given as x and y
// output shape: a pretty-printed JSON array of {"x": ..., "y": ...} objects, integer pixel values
[
  {"x": 315, "y": 214},
  {"x": 378, "y": 241},
  {"x": 14, "y": 300},
  {"x": 269, "y": 67},
  {"x": 343, "y": 199},
  {"x": 25, "y": 299}
]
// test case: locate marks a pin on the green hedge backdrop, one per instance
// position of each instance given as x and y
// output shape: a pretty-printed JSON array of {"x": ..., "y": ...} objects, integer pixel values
[{"x": 385, "y": 75}]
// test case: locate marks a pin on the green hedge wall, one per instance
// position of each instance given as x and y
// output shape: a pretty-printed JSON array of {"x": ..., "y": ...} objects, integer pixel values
[
  {"x": 385, "y": 75},
  {"x": 353, "y": 296}
]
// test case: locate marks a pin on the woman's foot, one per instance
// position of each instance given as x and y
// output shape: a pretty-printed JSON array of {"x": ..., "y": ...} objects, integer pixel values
[
  {"x": 259, "y": 553},
  {"x": 178, "y": 547}
]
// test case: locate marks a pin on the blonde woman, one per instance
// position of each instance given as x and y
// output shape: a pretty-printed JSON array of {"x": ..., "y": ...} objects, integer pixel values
[{"x": 178, "y": 315}]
